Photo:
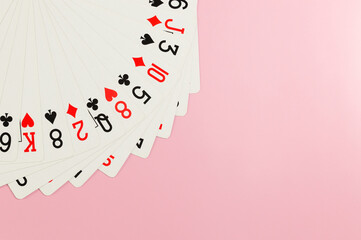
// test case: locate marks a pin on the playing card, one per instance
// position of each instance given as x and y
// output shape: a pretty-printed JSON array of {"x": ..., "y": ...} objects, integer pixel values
[
  {"x": 12, "y": 82},
  {"x": 86, "y": 83}
]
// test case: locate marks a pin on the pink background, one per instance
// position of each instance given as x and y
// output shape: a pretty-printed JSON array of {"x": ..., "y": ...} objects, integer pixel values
[{"x": 270, "y": 149}]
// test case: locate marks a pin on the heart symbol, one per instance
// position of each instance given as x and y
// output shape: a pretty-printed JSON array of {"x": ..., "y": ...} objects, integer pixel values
[
  {"x": 147, "y": 39},
  {"x": 27, "y": 121},
  {"x": 110, "y": 94},
  {"x": 50, "y": 116}
]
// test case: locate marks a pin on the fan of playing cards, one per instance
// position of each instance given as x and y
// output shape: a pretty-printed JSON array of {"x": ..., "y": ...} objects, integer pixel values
[{"x": 86, "y": 83}]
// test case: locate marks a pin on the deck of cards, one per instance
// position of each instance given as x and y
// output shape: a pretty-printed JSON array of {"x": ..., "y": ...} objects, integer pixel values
[{"x": 86, "y": 83}]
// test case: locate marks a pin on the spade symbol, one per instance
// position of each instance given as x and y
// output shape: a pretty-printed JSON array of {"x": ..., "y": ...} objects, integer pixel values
[
  {"x": 50, "y": 116},
  {"x": 146, "y": 39},
  {"x": 156, "y": 3}
]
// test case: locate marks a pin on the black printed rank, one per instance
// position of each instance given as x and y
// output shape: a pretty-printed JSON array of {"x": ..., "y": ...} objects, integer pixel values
[
  {"x": 5, "y": 137},
  {"x": 55, "y": 134},
  {"x": 163, "y": 46},
  {"x": 101, "y": 119}
]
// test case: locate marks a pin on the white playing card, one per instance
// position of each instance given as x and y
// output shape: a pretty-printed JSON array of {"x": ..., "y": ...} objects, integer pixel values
[
  {"x": 11, "y": 84},
  {"x": 31, "y": 141}
]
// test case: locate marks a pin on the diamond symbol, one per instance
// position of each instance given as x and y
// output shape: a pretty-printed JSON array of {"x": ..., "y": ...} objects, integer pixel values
[
  {"x": 138, "y": 62},
  {"x": 154, "y": 21},
  {"x": 72, "y": 111}
]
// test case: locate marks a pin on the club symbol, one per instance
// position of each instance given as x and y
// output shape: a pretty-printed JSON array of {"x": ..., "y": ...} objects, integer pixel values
[
  {"x": 50, "y": 116},
  {"x": 93, "y": 104},
  {"x": 147, "y": 39},
  {"x": 156, "y": 3},
  {"x": 124, "y": 80},
  {"x": 6, "y": 120}
]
